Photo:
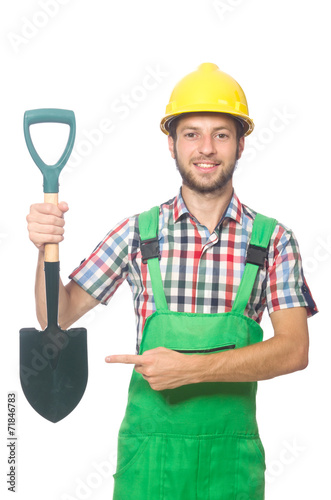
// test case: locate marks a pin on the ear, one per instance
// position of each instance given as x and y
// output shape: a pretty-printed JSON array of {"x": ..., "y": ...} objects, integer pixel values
[
  {"x": 171, "y": 146},
  {"x": 241, "y": 146}
]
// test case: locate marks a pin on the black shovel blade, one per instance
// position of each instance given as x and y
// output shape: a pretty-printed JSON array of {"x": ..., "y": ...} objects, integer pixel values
[{"x": 53, "y": 369}]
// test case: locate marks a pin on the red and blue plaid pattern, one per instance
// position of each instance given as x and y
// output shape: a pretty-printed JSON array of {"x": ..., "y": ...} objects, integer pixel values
[{"x": 201, "y": 272}]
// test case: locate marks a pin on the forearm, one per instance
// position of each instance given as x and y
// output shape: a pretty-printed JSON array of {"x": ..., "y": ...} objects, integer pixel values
[
  {"x": 286, "y": 352},
  {"x": 261, "y": 361}
]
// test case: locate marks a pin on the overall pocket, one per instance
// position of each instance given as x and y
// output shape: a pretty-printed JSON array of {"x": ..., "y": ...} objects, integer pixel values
[
  {"x": 129, "y": 449},
  {"x": 206, "y": 350},
  {"x": 251, "y": 469},
  {"x": 236, "y": 468},
  {"x": 138, "y": 470}
]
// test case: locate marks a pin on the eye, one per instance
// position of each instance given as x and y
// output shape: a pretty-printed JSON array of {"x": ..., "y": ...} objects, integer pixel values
[
  {"x": 222, "y": 136},
  {"x": 190, "y": 135}
]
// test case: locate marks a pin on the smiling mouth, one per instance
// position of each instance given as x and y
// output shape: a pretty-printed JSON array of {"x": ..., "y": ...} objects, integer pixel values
[{"x": 206, "y": 166}]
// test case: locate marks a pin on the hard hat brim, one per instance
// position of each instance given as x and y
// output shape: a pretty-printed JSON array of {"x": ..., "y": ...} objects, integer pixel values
[{"x": 246, "y": 121}]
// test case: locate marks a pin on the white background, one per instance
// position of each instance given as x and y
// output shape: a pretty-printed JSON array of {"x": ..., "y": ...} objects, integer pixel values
[{"x": 91, "y": 57}]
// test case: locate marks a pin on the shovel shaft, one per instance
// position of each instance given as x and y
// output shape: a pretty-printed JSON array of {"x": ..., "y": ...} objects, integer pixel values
[
  {"x": 52, "y": 265},
  {"x": 51, "y": 249},
  {"x": 52, "y": 280}
]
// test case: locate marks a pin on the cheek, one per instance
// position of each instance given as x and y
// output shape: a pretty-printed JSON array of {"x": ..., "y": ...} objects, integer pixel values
[
  {"x": 229, "y": 152},
  {"x": 185, "y": 150}
]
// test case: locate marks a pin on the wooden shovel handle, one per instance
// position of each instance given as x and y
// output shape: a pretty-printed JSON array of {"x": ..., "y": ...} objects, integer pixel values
[{"x": 51, "y": 249}]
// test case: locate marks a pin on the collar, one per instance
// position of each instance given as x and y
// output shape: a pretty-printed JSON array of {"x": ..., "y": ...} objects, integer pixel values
[{"x": 233, "y": 211}]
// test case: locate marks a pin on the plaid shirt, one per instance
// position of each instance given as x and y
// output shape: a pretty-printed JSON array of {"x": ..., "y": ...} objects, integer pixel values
[{"x": 201, "y": 272}]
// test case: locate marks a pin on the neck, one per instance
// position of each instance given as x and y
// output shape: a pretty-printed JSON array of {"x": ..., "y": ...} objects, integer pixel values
[{"x": 208, "y": 208}]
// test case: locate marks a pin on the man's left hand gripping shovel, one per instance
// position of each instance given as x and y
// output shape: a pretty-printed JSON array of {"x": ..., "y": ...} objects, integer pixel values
[{"x": 53, "y": 362}]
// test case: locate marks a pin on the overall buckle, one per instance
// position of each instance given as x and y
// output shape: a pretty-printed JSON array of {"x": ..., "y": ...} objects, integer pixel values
[
  {"x": 150, "y": 249},
  {"x": 256, "y": 255}
]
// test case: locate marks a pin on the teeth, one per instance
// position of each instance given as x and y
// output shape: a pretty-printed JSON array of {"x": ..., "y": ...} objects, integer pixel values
[{"x": 205, "y": 165}]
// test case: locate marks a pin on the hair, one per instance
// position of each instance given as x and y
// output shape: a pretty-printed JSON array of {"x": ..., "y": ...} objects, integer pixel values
[{"x": 172, "y": 126}]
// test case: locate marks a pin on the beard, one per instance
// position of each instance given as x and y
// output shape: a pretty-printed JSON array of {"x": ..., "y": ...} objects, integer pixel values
[{"x": 216, "y": 184}]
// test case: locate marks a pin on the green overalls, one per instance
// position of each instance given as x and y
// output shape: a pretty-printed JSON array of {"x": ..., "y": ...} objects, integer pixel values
[{"x": 198, "y": 441}]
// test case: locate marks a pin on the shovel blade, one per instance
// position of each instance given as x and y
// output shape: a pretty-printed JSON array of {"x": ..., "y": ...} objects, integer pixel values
[{"x": 53, "y": 369}]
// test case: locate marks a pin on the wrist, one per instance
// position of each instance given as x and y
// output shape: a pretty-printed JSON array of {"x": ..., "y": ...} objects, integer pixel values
[
  {"x": 41, "y": 255},
  {"x": 200, "y": 367}
]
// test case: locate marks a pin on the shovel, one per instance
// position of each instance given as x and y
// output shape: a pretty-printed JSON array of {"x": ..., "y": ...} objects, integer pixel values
[{"x": 53, "y": 362}]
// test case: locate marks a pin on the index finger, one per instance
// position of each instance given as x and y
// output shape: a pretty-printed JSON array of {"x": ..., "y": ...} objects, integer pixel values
[
  {"x": 47, "y": 209},
  {"x": 133, "y": 359}
]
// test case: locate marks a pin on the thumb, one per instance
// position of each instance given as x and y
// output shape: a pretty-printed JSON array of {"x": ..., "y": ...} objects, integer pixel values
[{"x": 63, "y": 206}]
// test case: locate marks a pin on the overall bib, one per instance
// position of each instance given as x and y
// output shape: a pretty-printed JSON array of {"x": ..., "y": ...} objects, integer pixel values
[{"x": 198, "y": 441}]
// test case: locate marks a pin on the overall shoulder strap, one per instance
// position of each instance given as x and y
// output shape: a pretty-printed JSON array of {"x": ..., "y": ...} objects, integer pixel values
[
  {"x": 257, "y": 252},
  {"x": 149, "y": 245}
]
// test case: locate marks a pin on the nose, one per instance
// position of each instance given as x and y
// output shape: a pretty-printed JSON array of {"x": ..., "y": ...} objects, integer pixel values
[{"x": 207, "y": 145}]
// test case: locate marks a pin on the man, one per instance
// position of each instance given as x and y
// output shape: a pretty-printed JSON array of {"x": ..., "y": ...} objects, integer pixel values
[{"x": 202, "y": 269}]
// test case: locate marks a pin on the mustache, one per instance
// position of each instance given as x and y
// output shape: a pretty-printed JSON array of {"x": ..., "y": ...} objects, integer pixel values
[{"x": 202, "y": 159}]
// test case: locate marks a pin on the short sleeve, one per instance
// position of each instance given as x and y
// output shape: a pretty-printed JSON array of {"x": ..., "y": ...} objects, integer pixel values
[
  {"x": 286, "y": 284},
  {"x": 107, "y": 267}
]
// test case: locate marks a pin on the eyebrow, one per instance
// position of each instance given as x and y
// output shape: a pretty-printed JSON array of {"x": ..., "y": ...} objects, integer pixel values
[{"x": 199, "y": 128}]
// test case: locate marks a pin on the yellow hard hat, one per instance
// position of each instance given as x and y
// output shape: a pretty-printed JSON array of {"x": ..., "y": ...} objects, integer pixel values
[{"x": 208, "y": 89}]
